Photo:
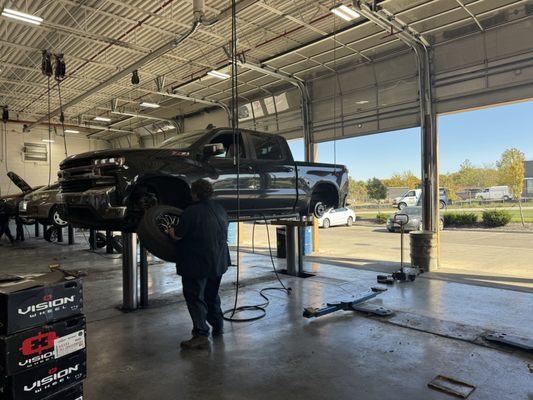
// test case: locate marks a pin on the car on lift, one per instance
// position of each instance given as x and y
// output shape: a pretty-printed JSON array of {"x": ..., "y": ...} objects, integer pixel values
[
  {"x": 42, "y": 205},
  {"x": 254, "y": 177},
  {"x": 415, "y": 220},
  {"x": 343, "y": 216},
  {"x": 12, "y": 201}
]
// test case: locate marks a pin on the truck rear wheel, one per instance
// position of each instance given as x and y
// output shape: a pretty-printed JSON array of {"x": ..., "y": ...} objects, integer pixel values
[
  {"x": 151, "y": 231},
  {"x": 319, "y": 209}
]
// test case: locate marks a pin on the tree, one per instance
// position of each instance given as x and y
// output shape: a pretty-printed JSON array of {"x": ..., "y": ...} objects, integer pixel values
[
  {"x": 411, "y": 180},
  {"x": 512, "y": 172},
  {"x": 395, "y": 180},
  {"x": 376, "y": 189},
  {"x": 358, "y": 190}
]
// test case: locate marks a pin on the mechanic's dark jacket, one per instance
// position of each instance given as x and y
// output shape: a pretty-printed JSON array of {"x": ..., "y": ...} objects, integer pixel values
[
  {"x": 4, "y": 212},
  {"x": 203, "y": 250}
]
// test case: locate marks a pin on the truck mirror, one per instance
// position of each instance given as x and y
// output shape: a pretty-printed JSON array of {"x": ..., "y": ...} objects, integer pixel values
[{"x": 213, "y": 149}]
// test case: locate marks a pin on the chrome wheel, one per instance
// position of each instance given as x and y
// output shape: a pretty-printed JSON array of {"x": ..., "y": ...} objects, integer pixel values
[
  {"x": 57, "y": 220},
  {"x": 167, "y": 221}
]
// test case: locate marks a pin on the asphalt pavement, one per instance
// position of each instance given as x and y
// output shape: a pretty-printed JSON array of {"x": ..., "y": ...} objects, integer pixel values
[{"x": 504, "y": 259}]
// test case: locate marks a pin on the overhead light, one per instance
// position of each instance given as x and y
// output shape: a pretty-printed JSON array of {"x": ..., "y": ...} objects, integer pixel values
[
  {"x": 218, "y": 74},
  {"x": 31, "y": 19},
  {"x": 48, "y": 140},
  {"x": 102, "y": 119},
  {"x": 71, "y": 131},
  {"x": 149, "y": 105},
  {"x": 360, "y": 102},
  {"x": 167, "y": 127},
  {"x": 345, "y": 12}
]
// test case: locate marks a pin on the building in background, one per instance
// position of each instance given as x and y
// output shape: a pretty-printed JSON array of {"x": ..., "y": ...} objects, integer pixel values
[{"x": 528, "y": 184}]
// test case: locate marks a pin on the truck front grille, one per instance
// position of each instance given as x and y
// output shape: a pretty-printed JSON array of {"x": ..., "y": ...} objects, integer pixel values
[{"x": 79, "y": 178}]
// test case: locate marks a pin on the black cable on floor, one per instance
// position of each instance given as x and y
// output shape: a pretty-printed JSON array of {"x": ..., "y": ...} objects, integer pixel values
[{"x": 261, "y": 307}]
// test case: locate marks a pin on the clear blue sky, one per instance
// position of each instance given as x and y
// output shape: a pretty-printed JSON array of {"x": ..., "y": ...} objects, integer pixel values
[{"x": 480, "y": 136}]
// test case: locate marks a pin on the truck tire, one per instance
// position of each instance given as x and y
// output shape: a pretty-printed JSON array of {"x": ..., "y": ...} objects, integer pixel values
[
  {"x": 402, "y": 205},
  {"x": 326, "y": 224},
  {"x": 151, "y": 231},
  {"x": 319, "y": 209},
  {"x": 442, "y": 204},
  {"x": 50, "y": 234},
  {"x": 118, "y": 243}
]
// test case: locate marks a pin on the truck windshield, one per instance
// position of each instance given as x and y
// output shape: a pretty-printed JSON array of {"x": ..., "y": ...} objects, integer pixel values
[{"x": 182, "y": 141}]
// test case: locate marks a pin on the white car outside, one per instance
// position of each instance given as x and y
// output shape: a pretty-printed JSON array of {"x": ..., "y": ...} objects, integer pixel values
[{"x": 337, "y": 217}]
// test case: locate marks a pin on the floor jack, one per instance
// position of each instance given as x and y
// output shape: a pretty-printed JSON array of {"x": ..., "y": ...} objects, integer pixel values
[
  {"x": 404, "y": 274},
  {"x": 353, "y": 305}
]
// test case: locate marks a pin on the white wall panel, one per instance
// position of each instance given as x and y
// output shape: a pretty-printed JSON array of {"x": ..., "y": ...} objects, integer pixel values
[{"x": 36, "y": 173}]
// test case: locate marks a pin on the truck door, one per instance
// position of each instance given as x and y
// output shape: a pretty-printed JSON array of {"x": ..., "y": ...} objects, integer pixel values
[
  {"x": 225, "y": 178},
  {"x": 276, "y": 171}
]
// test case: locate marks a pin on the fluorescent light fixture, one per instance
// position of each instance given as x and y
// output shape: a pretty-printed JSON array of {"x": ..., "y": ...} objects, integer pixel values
[
  {"x": 360, "y": 102},
  {"x": 31, "y": 19},
  {"x": 345, "y": 12},
  {"x": 167, "y": 127},
  {"x": 149, "y": 105},
  {"x": 71, "y": 131},
  {"x": 48, "y": 140},
  {"x": 218, "y": 74},
  {"x": 102, "y": 119}
]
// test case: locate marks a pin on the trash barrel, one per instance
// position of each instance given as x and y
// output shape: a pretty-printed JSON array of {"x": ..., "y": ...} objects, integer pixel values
[
  {"x": 424, "y": 250},
  {"x": 281, "y": 244},
  {"x": 307, "y": 240},
  {"x": 232, "y": 234}
]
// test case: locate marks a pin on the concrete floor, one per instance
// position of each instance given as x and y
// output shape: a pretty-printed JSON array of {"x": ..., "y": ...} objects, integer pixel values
[
  {"x": 482, "y": 257},
  {"x": 436, "y": 330}
]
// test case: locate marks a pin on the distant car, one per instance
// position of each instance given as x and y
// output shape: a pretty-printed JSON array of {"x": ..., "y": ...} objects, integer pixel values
[
  {"x": 495, "y": 193},
  {"x": 42, "y": 205},
  {"x": 413, "y": 198},
  {"x": 337, "y": 217},
  {"x": 415, "y": 220}
]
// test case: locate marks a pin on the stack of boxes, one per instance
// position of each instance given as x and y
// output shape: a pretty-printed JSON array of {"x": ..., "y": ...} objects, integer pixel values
[{"x": 42, "y": 338}]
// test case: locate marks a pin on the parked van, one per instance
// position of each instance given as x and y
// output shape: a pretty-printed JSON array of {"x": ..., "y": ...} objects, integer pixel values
[{"x": 495, "y": 193}]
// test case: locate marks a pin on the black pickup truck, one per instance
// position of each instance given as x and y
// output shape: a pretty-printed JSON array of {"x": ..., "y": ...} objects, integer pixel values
[{"x": 254, "y": 177}]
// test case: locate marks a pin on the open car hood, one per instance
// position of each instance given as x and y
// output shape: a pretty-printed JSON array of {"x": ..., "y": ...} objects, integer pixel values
[{"x": 19, "y": 182}]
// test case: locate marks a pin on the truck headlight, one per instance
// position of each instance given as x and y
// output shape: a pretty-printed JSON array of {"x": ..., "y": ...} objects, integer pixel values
[{"x": 111, "y": 161}]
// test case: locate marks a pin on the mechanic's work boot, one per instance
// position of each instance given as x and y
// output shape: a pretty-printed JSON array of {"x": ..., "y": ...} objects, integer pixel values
[
  {"x": 217, "y": 332},
  {"x": 196, "y": 342}
]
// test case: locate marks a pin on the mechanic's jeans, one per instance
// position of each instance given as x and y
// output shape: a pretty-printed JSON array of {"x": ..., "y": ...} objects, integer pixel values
[{"x": 203, "y": 303}]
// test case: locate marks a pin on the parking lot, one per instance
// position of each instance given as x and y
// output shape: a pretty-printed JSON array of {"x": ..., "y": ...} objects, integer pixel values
[{"x": 486, "y": 257}]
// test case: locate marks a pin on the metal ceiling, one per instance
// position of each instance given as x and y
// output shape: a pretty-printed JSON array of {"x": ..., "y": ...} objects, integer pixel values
[{"x": 298, "y": 37}]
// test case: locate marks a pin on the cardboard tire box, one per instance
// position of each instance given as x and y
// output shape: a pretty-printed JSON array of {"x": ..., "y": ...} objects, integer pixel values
[
  {"x": 29, "y": 302},
  {"x": 41, "y": 345},
  {"x": 72, "y": 393},
  {"x": 42, "y": 337},
  {"x": 46, "y": 380}
]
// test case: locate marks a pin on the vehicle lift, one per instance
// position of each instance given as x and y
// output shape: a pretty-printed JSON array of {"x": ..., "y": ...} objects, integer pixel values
[
  {"x": 294, "y": 235},
  {"x": 352, "y": 305}
]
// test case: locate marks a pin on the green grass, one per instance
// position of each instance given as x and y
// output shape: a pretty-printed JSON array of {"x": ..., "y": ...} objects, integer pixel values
[{"x": 515, "y": 213}]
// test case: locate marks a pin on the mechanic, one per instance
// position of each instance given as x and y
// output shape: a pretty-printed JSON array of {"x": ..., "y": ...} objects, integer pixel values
[
  {"x": 4, "y": 221},
  {"x": 202, "y": 248},
  {"x": 20, "y": 228}
]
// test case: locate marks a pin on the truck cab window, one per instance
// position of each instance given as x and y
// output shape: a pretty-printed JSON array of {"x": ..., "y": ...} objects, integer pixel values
[
  {"x": 266, "y": 147},
  {"x": 230, "y": 145}
]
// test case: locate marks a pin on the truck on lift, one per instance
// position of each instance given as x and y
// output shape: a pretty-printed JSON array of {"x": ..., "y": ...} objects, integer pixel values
[{"x": 254, "y": 177}]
